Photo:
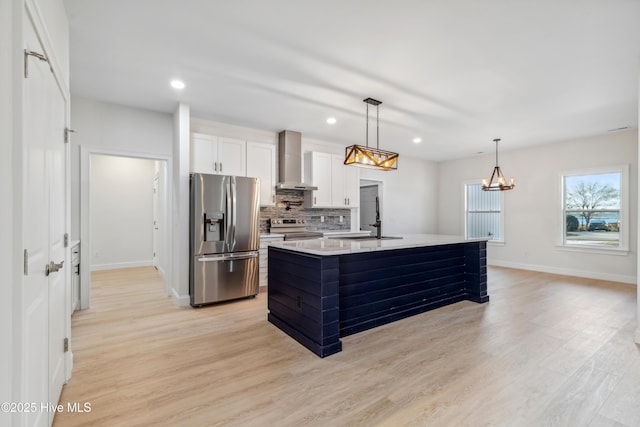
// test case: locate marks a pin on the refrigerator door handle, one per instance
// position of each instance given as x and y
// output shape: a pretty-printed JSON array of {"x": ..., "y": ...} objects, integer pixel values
[
  {"x": 228, "y": 257},
  {"x": 230, "y": 223},
  {"x": 234, "y": 219}
]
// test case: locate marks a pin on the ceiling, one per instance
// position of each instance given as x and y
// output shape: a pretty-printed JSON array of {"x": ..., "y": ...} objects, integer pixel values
[{"x": 456, "y": 73}]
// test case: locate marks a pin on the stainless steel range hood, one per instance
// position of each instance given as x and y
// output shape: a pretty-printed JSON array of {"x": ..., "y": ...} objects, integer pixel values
[{"x": 290, "y": 162}]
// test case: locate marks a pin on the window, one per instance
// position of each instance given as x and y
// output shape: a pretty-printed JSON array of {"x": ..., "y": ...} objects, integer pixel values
[
  {"x": 594, "y": 209},
  {"x": 483, "y": 213}
]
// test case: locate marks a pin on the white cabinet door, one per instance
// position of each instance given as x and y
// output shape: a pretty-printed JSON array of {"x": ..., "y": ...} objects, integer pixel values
[
  {"x": 338, "y": 194},
  {"x": 261, "y": 163},
  {"x": 352, "y": 186},
  {"x": 231, "y": 157},
  {"x": 218, "y": 155},
  {"x": 204, "y": 153},
  {"x": 318, "y": 173}
]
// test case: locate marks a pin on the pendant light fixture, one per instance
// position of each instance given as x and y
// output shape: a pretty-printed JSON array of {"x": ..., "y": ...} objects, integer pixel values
[
  {"x": 369, "y": 157},
  {"x": 497, "y": 181}
]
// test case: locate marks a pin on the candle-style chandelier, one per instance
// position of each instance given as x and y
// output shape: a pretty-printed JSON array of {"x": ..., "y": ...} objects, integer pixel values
[{"x": 497, "y": 182}]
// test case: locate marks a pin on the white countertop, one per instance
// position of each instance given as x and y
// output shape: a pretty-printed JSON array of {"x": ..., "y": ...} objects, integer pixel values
[
  {"x": 336, "y": 233},
  {"x": 343, "y": 246},
  {"x": 271, "y": 236}
]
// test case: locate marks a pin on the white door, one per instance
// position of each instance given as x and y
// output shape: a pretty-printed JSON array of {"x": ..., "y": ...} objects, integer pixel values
[
  {"x": 156, "y": 222},
  {"x": 44, "y": 297}
]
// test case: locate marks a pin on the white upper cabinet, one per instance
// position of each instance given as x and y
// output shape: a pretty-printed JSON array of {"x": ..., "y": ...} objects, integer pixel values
[
  {"x": 232, "y": 154},
  {"x": 204, "y": 149},
  {"x": 318, "y": 173},
  {"x": 351, "y": 185},
  {"x": 218, "y": 155},
  {"x": 338, "y": 185},
  {"x": 261, "y": 163}
]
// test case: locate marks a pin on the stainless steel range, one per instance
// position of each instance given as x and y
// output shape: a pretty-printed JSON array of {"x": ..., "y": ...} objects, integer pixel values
[{"x": 293, "y": 229}]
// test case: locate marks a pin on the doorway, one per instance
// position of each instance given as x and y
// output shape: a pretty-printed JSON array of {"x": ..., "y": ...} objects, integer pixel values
[
  {"x": 369, "y": 190},
  {"x": 124, "y": 214}
]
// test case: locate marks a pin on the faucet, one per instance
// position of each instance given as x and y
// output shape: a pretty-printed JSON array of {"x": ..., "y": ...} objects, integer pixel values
[{"x": 378, "y": 223}]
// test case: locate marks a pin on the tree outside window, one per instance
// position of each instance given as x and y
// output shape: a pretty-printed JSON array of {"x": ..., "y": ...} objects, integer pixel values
[{"x": 592, "y": 209}]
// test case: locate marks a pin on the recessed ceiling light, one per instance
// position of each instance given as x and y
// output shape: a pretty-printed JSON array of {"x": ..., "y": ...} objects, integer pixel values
[
  {"x": 417, "y": 140},
  {"x": 331, "y": 120},
  {"x": 177, "y": 84}
]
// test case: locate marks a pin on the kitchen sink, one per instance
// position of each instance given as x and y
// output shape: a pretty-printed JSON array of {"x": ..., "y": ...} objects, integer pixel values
[{"x": 365, "y": 238}]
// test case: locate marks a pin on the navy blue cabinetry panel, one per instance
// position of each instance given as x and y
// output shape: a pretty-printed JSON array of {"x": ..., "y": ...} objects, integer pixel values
[
  {"x": 303, "y": 299},
  {"x": 318, "y": 299},
  {"x": 385, "y": 286}
]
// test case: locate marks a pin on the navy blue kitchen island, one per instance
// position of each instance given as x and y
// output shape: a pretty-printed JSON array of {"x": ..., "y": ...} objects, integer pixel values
[{"x": 321, "y": 290}]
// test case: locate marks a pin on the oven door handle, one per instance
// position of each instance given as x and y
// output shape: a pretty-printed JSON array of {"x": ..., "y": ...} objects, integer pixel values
[{"x": 228, "y": 257}]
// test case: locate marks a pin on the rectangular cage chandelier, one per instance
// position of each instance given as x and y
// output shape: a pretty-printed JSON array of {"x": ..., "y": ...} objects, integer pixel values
[{"x": 369, "y": 157}]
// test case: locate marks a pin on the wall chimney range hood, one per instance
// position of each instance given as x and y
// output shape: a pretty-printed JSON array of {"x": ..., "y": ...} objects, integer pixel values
[{"x": 290, "y": 162}]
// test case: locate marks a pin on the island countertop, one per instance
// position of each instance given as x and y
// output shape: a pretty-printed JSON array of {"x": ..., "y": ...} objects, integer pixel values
[{"x": 327, "y": 247}]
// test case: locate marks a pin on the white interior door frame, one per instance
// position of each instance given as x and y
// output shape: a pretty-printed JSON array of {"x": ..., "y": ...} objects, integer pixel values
[
  {"x": 372, "y": 183},
  {"x": 85, "y": 236}
]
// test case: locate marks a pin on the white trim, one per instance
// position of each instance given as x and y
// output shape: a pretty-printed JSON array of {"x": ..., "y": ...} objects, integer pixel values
[
  {"x": 180, "y": 300},
  {"x": 119, "y": 265},
  {"x": 587, "y": 249},
  {"x": 85, "y": 239},
  {"x": 564, "y": 271}
]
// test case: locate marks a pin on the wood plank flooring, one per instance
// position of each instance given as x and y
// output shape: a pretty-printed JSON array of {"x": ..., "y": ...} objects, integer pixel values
[{"x": 546, "y": 350}]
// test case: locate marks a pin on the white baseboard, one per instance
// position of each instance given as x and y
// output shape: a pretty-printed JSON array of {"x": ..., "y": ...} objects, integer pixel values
[
  {"x": 119, "y": 265},
  {"x": 565, "y": 271},
  {"x": 180, "y": 300}
]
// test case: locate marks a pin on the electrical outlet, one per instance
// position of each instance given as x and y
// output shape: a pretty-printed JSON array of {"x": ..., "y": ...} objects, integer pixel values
[
  {"x": 341, "y": 218},
  {"x": 321, "y": 218}
]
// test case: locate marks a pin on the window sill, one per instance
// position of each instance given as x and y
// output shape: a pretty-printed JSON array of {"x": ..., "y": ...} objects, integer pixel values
[{"x": 594, "y": 250}]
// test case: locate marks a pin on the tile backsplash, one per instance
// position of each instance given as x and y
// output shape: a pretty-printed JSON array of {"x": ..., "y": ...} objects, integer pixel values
[{"x": 290, "y": 203}]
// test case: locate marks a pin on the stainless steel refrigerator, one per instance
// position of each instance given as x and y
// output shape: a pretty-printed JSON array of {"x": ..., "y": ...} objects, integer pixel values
[{"x": 224, "y": 238}]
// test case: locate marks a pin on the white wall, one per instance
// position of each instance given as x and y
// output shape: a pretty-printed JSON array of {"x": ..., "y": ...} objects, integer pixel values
[
  {"x": 533, "y": 209},
  {"x": 180, "y": 205},
  {"x": 409, "y": 194},
  {"x": 118, "y": 129},
  {"x": 121, "y": 211}
]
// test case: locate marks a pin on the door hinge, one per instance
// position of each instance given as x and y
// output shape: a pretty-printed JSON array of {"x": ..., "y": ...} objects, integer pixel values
[
  {"x": 41, "y": 57},
  {"x": 26, "y": 262},
  {"x": 66, "y": 345},
  {"x": 67, "y": 131},
  {"x": 66, "y": 240}
]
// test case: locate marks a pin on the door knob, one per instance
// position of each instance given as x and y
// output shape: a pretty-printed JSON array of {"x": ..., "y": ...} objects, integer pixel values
[{"x": 52, "y": 267}]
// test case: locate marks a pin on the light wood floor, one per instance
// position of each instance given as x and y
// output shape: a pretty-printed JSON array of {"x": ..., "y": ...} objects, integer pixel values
[{"x": 546, "y": 350}]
